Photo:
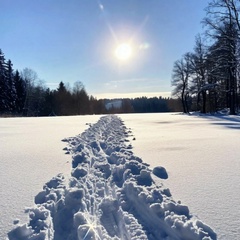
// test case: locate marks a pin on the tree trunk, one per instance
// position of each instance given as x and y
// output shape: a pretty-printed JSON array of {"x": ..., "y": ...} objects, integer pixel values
[
  {"x": 232, "y": 97},
  {"x": 183, "y": 102},
  {"x": 204, "y": 96}
]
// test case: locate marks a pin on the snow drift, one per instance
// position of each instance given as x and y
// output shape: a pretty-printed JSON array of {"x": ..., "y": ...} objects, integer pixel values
[{"x": 111, "y": 195}]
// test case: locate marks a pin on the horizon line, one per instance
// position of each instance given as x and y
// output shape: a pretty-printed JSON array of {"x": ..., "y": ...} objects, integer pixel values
[{"x": 131, "y": 95}]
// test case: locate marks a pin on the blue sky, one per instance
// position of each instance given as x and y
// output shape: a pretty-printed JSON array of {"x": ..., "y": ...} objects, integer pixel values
[{"x": 75, "y": 40}]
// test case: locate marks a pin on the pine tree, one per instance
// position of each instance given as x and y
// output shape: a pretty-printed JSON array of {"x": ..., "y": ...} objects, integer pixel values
[
  {"x": 62, "y": 100},
  {"x": 11, "y": 90},
  {"x": 20, "y": 86},
  {"x": 4, "y": 103}
]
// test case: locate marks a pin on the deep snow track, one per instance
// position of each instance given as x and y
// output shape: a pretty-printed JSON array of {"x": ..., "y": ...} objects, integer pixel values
[{"x": 111, "y": 195}]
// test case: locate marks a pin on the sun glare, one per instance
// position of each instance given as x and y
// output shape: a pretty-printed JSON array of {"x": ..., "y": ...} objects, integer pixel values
[{"x": 123, "y": 51}]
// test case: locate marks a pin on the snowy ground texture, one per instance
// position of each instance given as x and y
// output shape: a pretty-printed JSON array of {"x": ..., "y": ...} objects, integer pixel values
[{"x": 111, "y": 194}]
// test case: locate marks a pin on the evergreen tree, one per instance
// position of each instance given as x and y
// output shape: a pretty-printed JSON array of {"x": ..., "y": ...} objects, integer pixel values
[
  {"x": 4, "y": 104},
  {"x": 11, "y": 89},
  {"x": 20, "y": 86},
  {"x": 62, "y": 100}
]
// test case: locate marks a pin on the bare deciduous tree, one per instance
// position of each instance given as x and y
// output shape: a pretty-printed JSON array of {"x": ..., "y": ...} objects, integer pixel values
[{"x": 180, "y": 79}]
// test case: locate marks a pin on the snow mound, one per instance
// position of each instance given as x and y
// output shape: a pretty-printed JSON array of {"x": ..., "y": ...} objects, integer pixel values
[
  {"x": 111, "y": 195},
  {"x": 160, "y": 172}
]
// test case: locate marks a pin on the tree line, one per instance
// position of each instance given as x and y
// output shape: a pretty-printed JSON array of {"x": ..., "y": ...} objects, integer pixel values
[
  {"x": 142, "y": 105},
  {"x": 207, "y": 79},
  {"x": 24, "y": 94}
]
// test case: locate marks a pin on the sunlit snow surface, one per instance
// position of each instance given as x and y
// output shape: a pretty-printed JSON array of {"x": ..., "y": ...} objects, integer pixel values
[
  {"x": 30, "y": 155},
  {"x": 199, "y": 153}
]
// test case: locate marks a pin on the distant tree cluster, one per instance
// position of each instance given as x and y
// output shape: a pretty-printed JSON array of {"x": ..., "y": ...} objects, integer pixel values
[
  {"x": 75, "y": 101},
  {"x": 150, "y": 105},
  {"x": 12, "y": 87},
  {"x": 24, "y": 94},
  {"x": 208, "y": 79},
  {"x": 143, "y": 105}
]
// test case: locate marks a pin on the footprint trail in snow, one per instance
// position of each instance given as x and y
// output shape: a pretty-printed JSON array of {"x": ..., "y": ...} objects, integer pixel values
[{"x": 110, "y": 195}]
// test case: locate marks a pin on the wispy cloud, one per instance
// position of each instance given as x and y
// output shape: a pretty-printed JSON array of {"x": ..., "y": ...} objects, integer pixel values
[{"x": 134, "y": 80}]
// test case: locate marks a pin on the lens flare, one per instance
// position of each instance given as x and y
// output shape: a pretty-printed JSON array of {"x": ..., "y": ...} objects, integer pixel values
[{"x": 123, "y": 51}]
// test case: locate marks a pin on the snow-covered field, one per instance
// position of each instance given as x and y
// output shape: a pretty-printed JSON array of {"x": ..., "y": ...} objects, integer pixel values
[
  {"x": 30, "y": 155},
  {"x": 202, "y": 157},
  {"x": 200, "y": 154}
]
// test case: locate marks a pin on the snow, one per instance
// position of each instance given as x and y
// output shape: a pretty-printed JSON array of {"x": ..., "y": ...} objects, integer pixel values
[
  {"x": 31, "y": 154},
  {"x": 112, "y": 193},
  {"x": 160, "y": 172},
  {"x": 201, "y": 155}
]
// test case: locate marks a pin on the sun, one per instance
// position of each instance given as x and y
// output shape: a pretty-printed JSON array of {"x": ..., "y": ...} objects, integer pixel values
[{"x": 123, "y": 51}]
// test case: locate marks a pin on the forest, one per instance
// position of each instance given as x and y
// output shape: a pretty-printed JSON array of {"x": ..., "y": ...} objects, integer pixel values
[{"x": 207, "y": 79}]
